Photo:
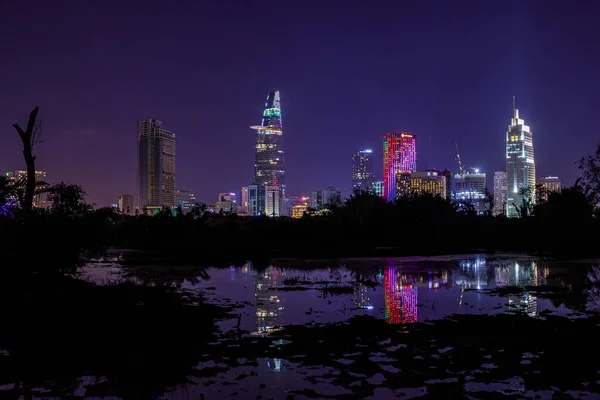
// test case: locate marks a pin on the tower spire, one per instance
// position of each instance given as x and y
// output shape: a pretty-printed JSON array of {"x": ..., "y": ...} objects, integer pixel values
[{"x": 515, "y": 111}]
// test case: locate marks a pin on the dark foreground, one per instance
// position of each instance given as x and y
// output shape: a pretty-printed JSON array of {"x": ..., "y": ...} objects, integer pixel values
[{"x": 473, "y": 328}]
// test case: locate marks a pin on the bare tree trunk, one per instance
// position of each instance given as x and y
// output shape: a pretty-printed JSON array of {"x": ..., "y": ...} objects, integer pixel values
[{"x": 28, "y": 139}]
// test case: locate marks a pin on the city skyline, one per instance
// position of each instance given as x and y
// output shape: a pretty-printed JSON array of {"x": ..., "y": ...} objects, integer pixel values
[{"x": 333, "y": 106}]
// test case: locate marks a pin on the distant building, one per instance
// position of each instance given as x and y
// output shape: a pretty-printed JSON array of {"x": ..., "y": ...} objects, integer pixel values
[
  {"x": 273, "y": 201},
  {"x": 448, "y": 175},
  {"x": 379, "y": 188},
  {"x": 125, "y": 204},
  {"x": 323, "y": 198},
  {"x": 470, "y": 189},
  {"x": 547, "y": 185},
  {"x": 363, "y": 178},
  {"x": 224, "y": 207},
  {"x": 40, "y": 200},
  {"x": 419, "y": 183},
  {"x": 399, "y": 155},
  {"x": 298, "y": 210},
  {"x": 256, "y": 200},
  {"x": 227, "y": 197},
  {"x": 500, "y": 189},
  {"x": 186, "y": 199},
  {"x": 520, "y": 163},
  {"x": 245, "y": 201},
  {"x": 156, "y": 166},
  {"x": 291, "y": 201}
]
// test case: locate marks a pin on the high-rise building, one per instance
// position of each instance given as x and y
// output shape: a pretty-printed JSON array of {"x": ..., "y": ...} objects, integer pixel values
[
  {"x": 547, "y": 185},
  {"x": 363, "y": 178},
  {"x": 125, "y": 204},
  {"x": 40, "y": 200},
  {"x": 186, "y": 199},
  {"x": 419, "y": 183},
  {"x": 298, "y": 210},
  {"x": 269, "y": 156},
  {"x": 500, "y": 189},
  {"x": 399, "y": 155},
  {"x": 520, "y": 164},
  {"x": 321, "y": 199},
  {"x": 256, "y": 200},
  {"x": 469, "y": 189},
  {"x": 156, "y": 166}
]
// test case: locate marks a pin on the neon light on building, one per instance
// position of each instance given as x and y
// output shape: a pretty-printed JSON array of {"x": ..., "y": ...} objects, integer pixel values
[{"x": 399, "y": 155}]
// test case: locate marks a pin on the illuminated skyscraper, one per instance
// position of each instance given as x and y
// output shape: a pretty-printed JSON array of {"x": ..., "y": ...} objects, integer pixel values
[
  {"x": 156, "y": 165},
  {"x": 399, "y": 155},
  {"x": 379, "y": 188},
  {"x": 520, "y": 163},
  {"x": 269, "y": 160},
  {"x": 500, "y": 189},
  {"x": 269, "y": 305},
  {"x": 125, "y": 204},
  {"x": 363, "y": 178}
]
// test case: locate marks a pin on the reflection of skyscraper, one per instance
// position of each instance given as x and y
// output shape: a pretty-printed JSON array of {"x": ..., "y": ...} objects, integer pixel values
[
  {"x": 401, "y": 298},
  {"x": 360, "y": 297},
  {"x": 269, "y": 306},
  {"x": 392, "y": 296},
  {"x": 516, "y": 274}
]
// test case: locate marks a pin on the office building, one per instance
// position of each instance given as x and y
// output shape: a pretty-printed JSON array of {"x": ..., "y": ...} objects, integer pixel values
[
  {"x": 500, "y": 189},
  {"x": 125, "y": 204},
  {"x": 156, "y": 166},
  {"x": 225, "y": 207},
  {"x": 298, "y": 210},
  {"x": 363, "y": 178},
  {"x": 322, "y": 199},
  {"x": 520, "y": 164},
  {"x": 470, "y": 190},
  {"x": 186, "y": 199},
  {"x": 19, "y": 177},
  {"x": 420, "y": 183},
  {"x": 273, "y": 201},
  {"x": 399, "y": 155},
  {"x": 379, "y": 188},
  {"x": 245, "y": 202},
  {"x": 269, "y": 157},
  {"x": 547, "y": 185},
  {"x": 291, "y": 201},
  {"x": 256, "y": 200},
  {"x": 227, "y": 197}
]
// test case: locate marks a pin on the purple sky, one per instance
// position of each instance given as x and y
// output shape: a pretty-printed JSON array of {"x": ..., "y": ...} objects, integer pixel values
[{"x": 348, "y": 73}]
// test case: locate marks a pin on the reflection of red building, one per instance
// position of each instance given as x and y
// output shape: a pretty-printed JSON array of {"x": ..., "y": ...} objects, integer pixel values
[{"x": 400, "y": 298}]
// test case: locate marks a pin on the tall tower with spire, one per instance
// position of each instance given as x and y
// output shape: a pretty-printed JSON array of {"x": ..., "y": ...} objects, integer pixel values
[{"x": 520, "y": 164}]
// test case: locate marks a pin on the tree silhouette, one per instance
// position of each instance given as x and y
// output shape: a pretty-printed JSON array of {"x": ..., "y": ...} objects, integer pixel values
[
  {"x": 29, "y": 137},
  {"x": 590, "y": 180}
]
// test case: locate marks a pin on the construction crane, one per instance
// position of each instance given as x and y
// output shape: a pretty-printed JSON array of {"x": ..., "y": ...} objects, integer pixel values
[{"x": 461, "y": 166}]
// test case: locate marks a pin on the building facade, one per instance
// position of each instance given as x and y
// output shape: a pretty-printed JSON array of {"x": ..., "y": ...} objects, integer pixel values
[
  {"x": 321, "y": 199},
  {"x": 363, "y": 178},
  {"x": 500, "y": 191},
  {"x": 399, "y": 155},
  {"x": 273, "y": 201},
  {"x": 419, "y": 183},
  {"x": 470, "y": 189},
  {"x": 40, "y": 200},
  {"x": 298, "y": 210},
  {"x": 125, "y": 204},
  {"x": 186, "y": 199},
  {"x": 520, "y": 164},
  {"x": 156, "y": 165},
  {"x": 547, "y": 185},
  {"x": 245, "y": 201},
  {"x": 379, "y": 188}
]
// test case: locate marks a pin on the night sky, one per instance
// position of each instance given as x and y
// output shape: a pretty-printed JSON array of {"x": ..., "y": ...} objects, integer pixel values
[{"x": 348, "y": 72}]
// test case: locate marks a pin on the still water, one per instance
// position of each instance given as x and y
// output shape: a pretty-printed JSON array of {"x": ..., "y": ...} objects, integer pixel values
[{"x": 398, "y": 291}]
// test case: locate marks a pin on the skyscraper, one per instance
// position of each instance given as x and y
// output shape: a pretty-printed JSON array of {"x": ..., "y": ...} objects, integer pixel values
[
  {"x": 39, "y": 199},
  {"x": 500, "y": 188},
  {"x": 363, "y": 178},
  {"x": 420, "y": 183},
  {"x": 520, "y": 163},
  {"x": 269, "y": 156},
  {"x": 399, "y": 155},
  {"x": 547, "y": 185},
  {"x": 156, "y": 165}
]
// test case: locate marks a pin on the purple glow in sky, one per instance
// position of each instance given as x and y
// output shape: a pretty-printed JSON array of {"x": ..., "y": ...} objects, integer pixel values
[{"x": 348, "y": 72}]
